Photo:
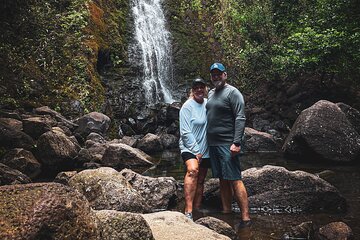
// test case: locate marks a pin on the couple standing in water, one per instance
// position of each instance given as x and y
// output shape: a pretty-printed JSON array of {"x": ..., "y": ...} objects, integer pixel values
[{"x": 210, "y": 136}]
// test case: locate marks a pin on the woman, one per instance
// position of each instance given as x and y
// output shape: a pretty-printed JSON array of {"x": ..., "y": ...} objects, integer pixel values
[{"x": 193, "y": 145}]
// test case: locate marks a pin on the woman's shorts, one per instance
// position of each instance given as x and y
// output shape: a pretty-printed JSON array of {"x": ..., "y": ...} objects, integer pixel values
[
  {"x": 223, "y": 165},
  {"x": 205, "y": 162}
]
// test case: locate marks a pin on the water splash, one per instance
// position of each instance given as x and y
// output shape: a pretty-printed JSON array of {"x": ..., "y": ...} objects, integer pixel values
[{"x": 154, "y": 42}]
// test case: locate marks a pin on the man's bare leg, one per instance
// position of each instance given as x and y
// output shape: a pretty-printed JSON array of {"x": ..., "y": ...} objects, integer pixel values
[{"x": 242, "y": 199}]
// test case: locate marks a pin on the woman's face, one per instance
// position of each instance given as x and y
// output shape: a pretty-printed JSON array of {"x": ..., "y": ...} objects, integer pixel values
[{"x": 199, "y": 92}]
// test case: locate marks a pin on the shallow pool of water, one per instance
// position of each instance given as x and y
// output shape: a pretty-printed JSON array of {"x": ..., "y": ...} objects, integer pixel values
[{"x": 272, "y": 226}]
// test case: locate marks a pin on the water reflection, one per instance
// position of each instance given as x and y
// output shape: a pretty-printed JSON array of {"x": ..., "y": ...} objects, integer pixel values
[{"x": 268, "y": 224}]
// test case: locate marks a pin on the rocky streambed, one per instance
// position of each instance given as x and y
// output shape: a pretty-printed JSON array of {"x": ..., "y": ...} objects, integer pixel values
[{"x": 94, "y": 189}]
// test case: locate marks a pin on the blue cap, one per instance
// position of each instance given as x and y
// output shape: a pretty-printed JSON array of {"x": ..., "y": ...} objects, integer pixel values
[{"x": 218, "y": 66}]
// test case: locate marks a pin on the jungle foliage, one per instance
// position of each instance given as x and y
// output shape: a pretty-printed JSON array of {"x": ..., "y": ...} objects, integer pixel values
[{"x": 278, "y": 40}]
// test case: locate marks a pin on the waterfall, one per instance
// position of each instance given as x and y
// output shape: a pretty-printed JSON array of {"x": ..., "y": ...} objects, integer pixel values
[{"x": 153, "y": 41}]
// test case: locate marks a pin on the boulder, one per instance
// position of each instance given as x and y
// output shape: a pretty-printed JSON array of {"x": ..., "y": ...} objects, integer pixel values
[
  {"x": 335, "y": 231},
  {"x": 36, "y": 126},
  {"x": 175, "y": 226},
  {"x": 323, "y": 132},
  {"x": 92, "y": 122},
  {"x": 14, "y": 123},
  {"x": 172, "y": 112},
  {"x": 212, "y": 193},
  {"x": 95, "y": 138},
  {"x": 218, "y": 226},
  {"x": 62, "y": 121},
  {"x": 259, "y": 141},
  {"x": 92, "y": 153},
  {"x": 274, "y": 189},
  {"x": 159, "y": 193},
  {"x": 169, "y": 141},
  {"x": 304, "y": 230},
  {"x": 22, "y": 160},
  {"x": 131, "y": 141},
  {"x": 57, "y": 151},
  {"x": 122, "y": 226},
  {"x": 119, "y": 156},
  {"x": 150, "y": 143},
  {"x": 45, "y": 211},
  {"x": 352, "y": 114},
  {"x": 64, "y": 177},
  {"x": 11, "y": 176},
  {"x": 13, "y": 138},
  {"x": 106, "y": 188}
]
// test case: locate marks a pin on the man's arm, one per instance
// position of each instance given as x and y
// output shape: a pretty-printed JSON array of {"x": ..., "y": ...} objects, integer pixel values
[{"x": 238, "y": 109}]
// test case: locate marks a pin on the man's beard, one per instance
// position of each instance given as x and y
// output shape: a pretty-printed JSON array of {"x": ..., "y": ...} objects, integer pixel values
[{"x": 218, "y": 85}]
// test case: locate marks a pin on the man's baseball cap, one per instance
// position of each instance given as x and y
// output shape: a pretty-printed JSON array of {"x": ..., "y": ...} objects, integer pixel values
[
  {"x": 218, "y": 66},
  {"x": 197, "y": 81}
]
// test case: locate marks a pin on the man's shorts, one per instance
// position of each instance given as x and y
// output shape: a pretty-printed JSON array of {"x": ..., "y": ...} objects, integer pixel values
[
  {"x": 205, "y": 162},
  {"x": 223, "y": 165}
]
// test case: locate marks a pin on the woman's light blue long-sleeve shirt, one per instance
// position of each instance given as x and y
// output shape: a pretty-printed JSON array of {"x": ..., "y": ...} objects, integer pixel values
[{"x": 193, "y": 124}]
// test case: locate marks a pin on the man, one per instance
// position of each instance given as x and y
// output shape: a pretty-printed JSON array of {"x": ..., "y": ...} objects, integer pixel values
[{"x": 226, "y": 124}]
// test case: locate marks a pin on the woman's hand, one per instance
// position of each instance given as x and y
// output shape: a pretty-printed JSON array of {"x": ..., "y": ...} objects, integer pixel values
[{"x": 199, "y": 157}]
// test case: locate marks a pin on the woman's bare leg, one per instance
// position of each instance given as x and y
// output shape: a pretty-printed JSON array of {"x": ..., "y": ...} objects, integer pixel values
[{"x": 190, "y": 183}]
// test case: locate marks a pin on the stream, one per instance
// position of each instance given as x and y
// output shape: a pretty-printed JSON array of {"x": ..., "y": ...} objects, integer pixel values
[{"x": 272, "y": 226}]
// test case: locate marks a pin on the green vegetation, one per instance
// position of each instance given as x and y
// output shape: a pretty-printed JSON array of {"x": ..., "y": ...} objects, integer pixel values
[
  {"x": 274, "y": 40},
  {"x": 50, "y": 51}
]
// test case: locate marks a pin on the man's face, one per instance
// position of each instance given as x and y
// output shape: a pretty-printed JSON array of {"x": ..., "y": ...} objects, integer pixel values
[{"x": 218, "y": 78}]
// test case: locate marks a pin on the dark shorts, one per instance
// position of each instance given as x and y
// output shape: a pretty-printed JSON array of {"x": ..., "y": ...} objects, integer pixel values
[
  {"x": 224, "y": 166},
  {"x": 205, "y": 162}
]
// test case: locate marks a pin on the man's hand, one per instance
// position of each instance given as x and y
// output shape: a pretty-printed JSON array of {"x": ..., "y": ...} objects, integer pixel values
[{"x": 234, "y": 149}]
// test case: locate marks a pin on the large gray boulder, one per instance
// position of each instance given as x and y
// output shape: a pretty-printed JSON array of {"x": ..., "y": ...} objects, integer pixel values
[
  {"x": 274, "y": 189},
  {"x": 122, "y": 226},
  {"x": 106, "y": 188},
  {"x": 159, "y": 193},
  {"x": 45, "y": 211},
  {"x": 119, "y": 156},
  {"x": 181, "y": 227},
  {"x": 57, "y": 151},
  {"x": 323, "y": 131},
  {"x": 22, "y": 160},
  {"x": 352, "y": 114}
]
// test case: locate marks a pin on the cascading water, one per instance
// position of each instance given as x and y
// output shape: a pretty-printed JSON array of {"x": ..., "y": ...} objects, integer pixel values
[{"x": 153, "y": 41}]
